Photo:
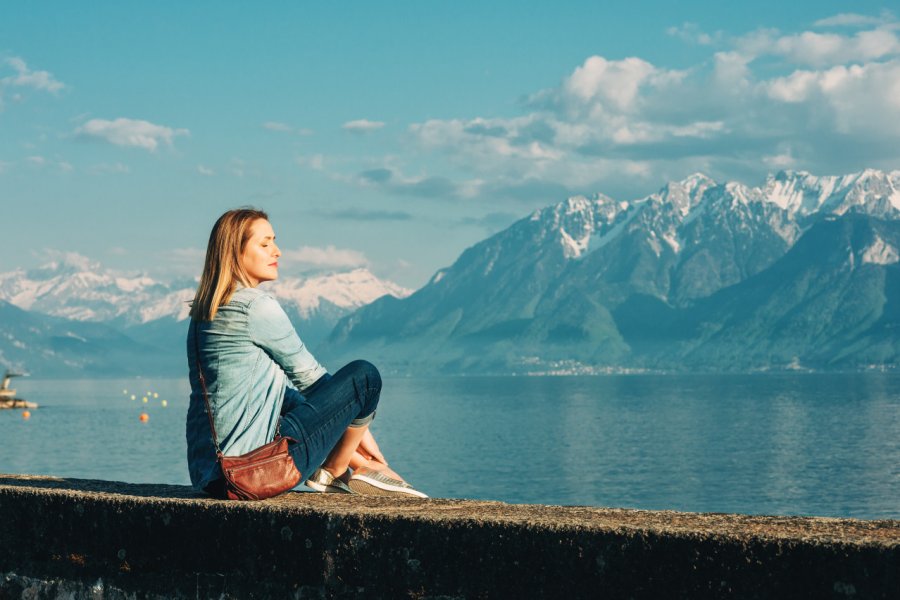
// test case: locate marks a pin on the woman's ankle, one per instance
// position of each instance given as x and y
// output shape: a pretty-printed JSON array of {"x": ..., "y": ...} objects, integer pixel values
[{"x": 335, "y": 471}]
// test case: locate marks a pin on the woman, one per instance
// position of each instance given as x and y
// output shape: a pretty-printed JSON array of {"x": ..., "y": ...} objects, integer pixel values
[{"x": 261, "y": 378}]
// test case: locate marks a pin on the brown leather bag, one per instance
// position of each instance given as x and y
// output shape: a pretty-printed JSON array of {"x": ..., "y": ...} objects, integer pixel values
[
  {"x": 262, "y": 473},
  {"x": 259, "y": 474}
]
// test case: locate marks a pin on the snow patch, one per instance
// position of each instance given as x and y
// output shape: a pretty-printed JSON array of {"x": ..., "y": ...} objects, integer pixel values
[
  {"x": 673, "y": 242},
  {"x": 577, "y": 204},
  {"x": 654, "y": 244},
  {"x": 782, "y": 194},
  {"x": 345, "y": 290},
  {"x": 738, "y": 191},
  {"x": 880, "y": 253},
  {"x": 573, "y": 248},
  {"x": 894, "y": 183},
  {"x": 598, "y": 238},
  {"x": 133, "y": 285}
]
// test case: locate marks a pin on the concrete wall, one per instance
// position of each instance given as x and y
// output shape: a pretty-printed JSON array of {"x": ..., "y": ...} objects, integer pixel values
[{"x": 65, "y": 538}]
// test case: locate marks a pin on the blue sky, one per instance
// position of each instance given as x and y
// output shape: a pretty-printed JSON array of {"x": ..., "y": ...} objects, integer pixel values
[{"x": 394, "y": 135}]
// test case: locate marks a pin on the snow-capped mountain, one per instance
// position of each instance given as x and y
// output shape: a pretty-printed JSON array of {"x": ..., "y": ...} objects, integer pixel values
[
  {"x": 77, "y": 288},
  {"x": 587, "y": 279},
  {"x": 100, "y": 321},
  {"x": 872, "y": 192},
  {"x": 584, "y": 224},
  {"x": 345, "y": 291}
]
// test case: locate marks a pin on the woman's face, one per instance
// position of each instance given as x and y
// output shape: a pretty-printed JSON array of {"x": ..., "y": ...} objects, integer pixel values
[{"x": 260, "y": 257}]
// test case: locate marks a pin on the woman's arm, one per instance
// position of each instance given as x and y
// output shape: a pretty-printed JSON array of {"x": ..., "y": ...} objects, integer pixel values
[{"x": 271, "y": 330}]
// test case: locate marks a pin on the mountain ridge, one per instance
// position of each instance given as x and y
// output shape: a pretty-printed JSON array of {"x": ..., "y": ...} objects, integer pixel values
[
  {"x": 150, "y": 316},
  {"x": 549, "y": 287}
]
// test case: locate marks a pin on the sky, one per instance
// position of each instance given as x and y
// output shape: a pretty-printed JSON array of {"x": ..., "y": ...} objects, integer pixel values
[{"x": 394, "y": 135}]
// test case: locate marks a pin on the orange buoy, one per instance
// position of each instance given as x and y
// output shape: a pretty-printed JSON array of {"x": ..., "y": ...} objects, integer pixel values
[
  {"x": 144, "y": 417},
  {"x": 26, "y": 414}
]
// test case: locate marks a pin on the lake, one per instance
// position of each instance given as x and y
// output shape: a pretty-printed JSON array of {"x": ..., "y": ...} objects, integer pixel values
[{"x": 794, "y": 444}]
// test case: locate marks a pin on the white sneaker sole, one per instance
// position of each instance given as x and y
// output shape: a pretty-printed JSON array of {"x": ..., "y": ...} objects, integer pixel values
[{"x": 362, "y": 484}]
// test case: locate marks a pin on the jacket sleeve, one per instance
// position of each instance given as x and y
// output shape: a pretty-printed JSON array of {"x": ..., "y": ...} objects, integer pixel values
[{"x": 271, "y": 330}]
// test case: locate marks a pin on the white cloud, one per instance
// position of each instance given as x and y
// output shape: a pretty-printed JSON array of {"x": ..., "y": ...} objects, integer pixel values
[
  {"x": 690, "y": 32},
  {"x": 103, "y": 168},
  {"x": 485, "y": 139},
  {"x": 396, "y": 182},
  {"x": 280, "y": 127},
  {"x": 613, "y": 85},
  {"x": 362, "y": 126},
  {"x": 63, "y": 257},
  {"x": 25, "y": 77},
  {"x": 329, "y": 257},
  {"x": 823, "y": 49},
  {"x": 848, "y": 20},
  {"x": 206, "y": 171},
  {"x": 277, "y": 126},
  {"x": 316, "y": 162},
  {"x": 811, "y": 48},
  {"x": 826, "y": 102},
  {"x": 861, "y": 101},
  {"x": 130, "y": 132},
  {"x": 731, "y": 70},
  {"x": 242, "y": 168},
  {"x": 41, "y": 162}
]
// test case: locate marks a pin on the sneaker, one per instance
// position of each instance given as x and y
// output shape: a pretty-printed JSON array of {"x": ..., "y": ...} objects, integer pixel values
[
  {"x": 374, "y": 483},
  {"x": 323, "y": 481}
]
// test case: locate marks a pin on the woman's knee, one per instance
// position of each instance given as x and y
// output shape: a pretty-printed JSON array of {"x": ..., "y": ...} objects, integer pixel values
[{"x": 366, "y": 371}]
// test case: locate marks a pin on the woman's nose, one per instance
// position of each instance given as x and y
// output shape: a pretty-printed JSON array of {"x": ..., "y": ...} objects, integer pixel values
[{"x": 276, "y": 251}]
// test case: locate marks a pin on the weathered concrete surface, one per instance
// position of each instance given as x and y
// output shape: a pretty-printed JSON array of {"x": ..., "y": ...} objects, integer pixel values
[{"x": 70, "y": 538}]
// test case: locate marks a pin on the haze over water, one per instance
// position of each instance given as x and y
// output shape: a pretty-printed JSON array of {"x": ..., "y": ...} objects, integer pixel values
[{"x": 802, "y": 444}]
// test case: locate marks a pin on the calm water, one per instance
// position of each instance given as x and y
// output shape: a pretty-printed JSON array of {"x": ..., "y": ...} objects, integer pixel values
[{"x": 766, "y": 444}]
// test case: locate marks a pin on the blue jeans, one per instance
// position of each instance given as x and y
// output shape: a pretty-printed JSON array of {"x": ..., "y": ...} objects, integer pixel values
[{"x": 319, "y": 416}]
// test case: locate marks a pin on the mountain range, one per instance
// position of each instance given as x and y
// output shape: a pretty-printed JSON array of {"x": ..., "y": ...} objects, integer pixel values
[
  {"x": 72, "y": 317},
  {"x": 799, "y": 273}
]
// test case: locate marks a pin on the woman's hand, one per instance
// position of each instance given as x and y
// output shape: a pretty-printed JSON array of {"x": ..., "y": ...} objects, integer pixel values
[
  {"x": 368, "y": 455},
  {"x": 368, "y": 447}
]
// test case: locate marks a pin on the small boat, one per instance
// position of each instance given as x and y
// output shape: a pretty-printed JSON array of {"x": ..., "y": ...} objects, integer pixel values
[{"x": 8, "y": 397}]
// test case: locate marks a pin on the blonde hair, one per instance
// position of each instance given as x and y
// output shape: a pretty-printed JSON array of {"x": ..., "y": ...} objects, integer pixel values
[{"x": 223, "y": 268}]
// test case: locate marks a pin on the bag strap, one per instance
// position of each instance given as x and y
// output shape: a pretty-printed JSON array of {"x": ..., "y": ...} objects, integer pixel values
[{"x": 212, "y": 426}]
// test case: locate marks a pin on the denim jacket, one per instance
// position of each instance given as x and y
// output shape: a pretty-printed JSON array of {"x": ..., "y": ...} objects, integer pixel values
[{"x": 249, "y": 354}]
